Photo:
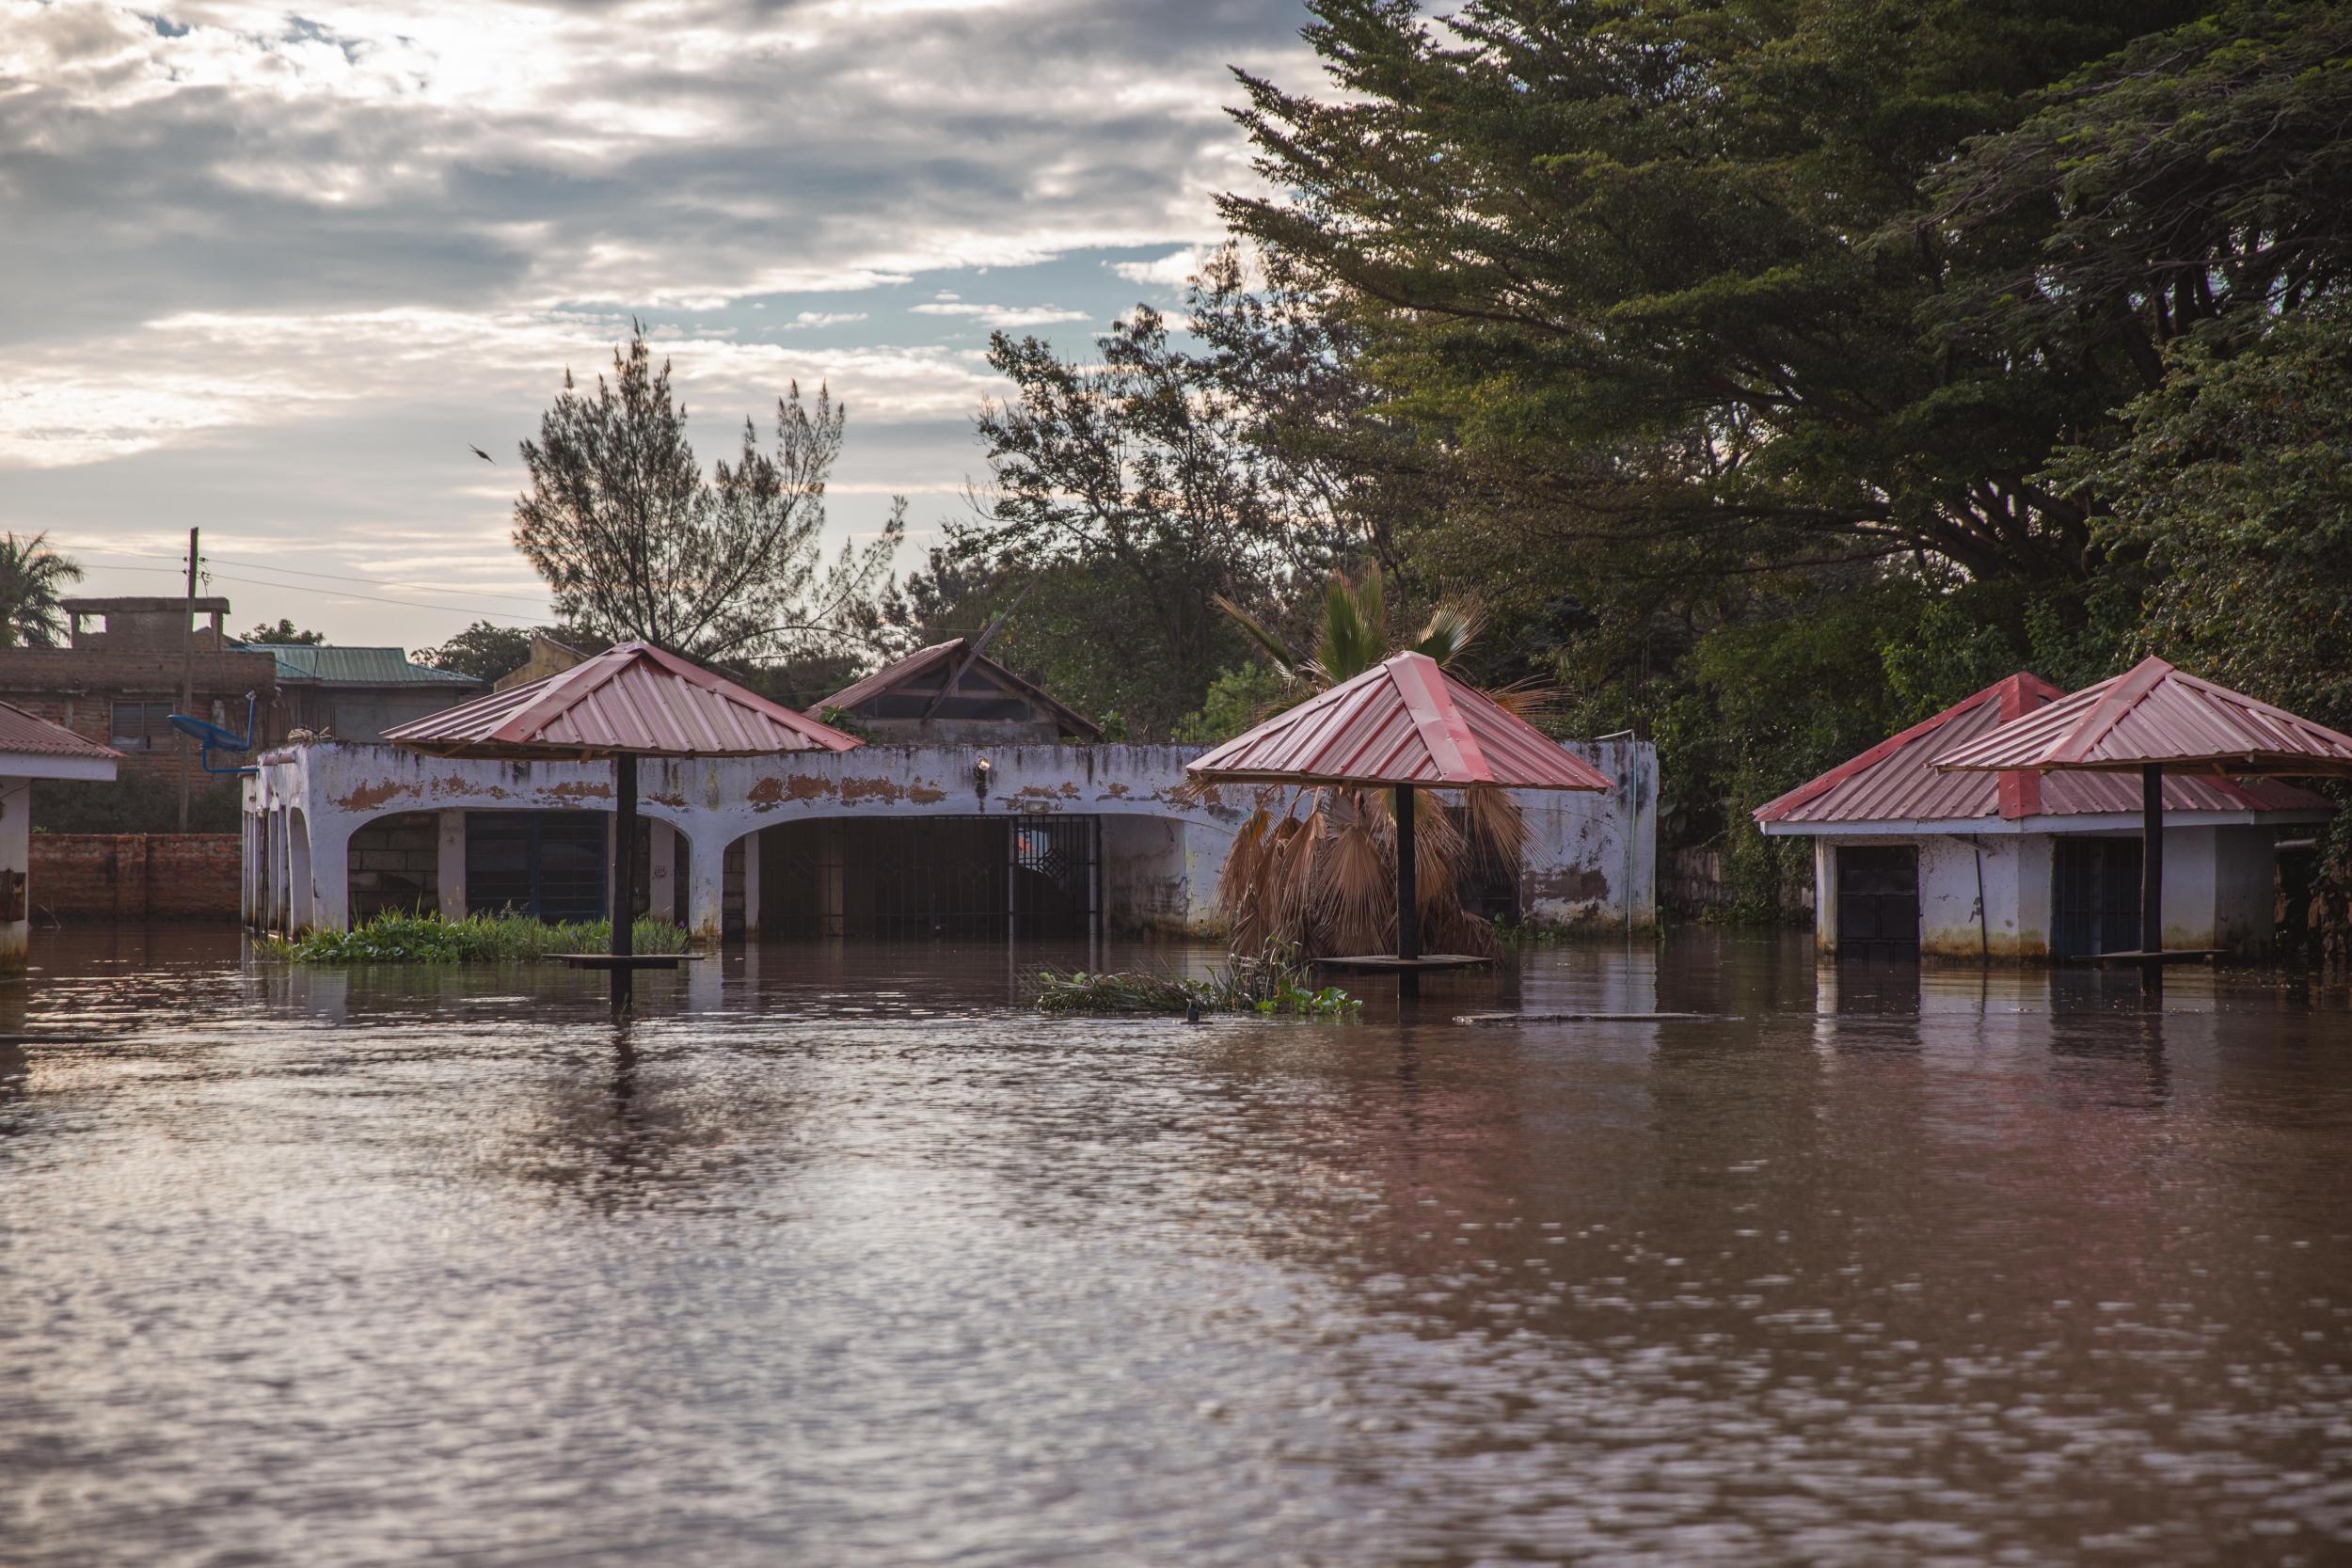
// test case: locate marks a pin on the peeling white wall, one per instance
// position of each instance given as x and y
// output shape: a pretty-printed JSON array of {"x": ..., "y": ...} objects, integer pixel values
[{"x": 1162, "y": 849}]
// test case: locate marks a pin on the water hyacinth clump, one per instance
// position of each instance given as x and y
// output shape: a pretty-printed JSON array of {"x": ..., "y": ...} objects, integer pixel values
[
  {"x": 397, "y": 938},
  {"x": 1274, "y": 982}
]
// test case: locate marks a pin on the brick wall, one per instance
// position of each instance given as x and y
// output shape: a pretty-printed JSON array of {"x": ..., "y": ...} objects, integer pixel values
[
  {"x": 77, "y": 687},
  {"x": 137, "y": 875}
]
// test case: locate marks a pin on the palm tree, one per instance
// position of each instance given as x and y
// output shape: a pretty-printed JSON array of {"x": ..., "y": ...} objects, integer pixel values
[
  {"x": 1317, "y": 870},
  {"x": 31, "y": 577}
]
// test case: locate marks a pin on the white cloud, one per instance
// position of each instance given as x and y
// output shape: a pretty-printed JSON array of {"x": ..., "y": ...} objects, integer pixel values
[
  {"x": 1001, "y": 315},
  {"x": 1172, "y": 271},
  {"x": 273, "y": 271}
]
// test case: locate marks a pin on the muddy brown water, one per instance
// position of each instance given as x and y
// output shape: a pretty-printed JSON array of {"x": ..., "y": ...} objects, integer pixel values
[{"x": 834, "y": 1257}]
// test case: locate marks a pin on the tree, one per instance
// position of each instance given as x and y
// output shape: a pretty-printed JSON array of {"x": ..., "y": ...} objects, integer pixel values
[
  {"x": 2233, "y": 481},
  {"x": 636, "y": 542},
  {"x": 1138, "y": 478},
  {"x": 484, "y": 650},
  {"x": 285, "y": 632},
  {"x": 2198, "y": 183},
  {"x": 1629, "y": 265},
  {"x": 32, "y": 576}
]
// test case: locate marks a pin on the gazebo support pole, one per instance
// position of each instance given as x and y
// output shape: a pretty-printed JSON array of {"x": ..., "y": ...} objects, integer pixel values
[
  {"x": 2151, "y": 877},
  {"x": 1407, "y": 899},
  {"x": 624, "y": 877}
]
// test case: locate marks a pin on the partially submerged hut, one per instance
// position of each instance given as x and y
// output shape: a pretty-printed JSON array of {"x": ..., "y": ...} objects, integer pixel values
[{"x": 2023, "y": 864}]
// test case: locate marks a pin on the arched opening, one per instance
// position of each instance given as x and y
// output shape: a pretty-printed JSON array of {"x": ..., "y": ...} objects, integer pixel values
[
  {"x": 394, "y": 862},
  {"x": 300, "y": 902}
]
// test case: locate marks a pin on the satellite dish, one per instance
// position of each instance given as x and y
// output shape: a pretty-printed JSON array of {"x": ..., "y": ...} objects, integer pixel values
[{"x": 208, "y": 735}]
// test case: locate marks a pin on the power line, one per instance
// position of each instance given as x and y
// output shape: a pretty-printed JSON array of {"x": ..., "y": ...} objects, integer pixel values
[
  {"x": 372, "y": 598},
  {"x": 373, "y": 582},
  {"x": 298, "y": 572}
]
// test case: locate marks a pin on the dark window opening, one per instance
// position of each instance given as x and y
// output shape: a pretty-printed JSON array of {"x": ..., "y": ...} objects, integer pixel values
[{"x": 140, "y": 726}]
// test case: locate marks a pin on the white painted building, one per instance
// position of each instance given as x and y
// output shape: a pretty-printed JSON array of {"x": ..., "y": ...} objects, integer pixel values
[
  {"x": 1045, "y": 839},
  {"x": 2027, "y": 866},
  {"x": 33, "y": 747}
]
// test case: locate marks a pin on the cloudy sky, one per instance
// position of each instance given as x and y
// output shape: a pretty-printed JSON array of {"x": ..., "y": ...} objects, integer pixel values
[{"x": 269, "y": 273}]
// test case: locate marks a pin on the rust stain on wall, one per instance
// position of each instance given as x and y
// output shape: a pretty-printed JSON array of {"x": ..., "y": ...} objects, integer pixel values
[
  {"x": 582, "y": 790},
  {"x": 775, "y": 791},
  {"x": 924, "y": 795},
  {"x": 869, "y": 789},
  {"x": 374, "y": 797}
]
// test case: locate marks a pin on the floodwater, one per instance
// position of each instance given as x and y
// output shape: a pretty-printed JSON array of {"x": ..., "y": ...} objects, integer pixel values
[{"x": 835, "y": 1257}]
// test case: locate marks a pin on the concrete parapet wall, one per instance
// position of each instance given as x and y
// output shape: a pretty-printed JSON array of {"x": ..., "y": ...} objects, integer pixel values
[{"x": 1163, "y": 846}]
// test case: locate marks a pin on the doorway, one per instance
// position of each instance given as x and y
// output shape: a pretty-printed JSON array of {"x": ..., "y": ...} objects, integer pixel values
[
  {"x": 1878, "y": 901},
  {"x": 2095, "y": 897}
]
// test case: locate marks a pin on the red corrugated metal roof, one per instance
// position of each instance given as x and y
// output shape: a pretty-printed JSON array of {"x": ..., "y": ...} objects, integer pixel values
[
  {"x": 2155, "y": 713},
  {"x": 634, "y": 698},
  {"x": 1896, "y": 781},
  {"x": 1404, "y": 721},
  {"x": 31, "y": 736}
]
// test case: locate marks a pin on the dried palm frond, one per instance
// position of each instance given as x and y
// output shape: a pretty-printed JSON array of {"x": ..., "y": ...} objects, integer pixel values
[
  {"x": 1493, "y": 823},
  {"x": 1529, "y": 700}
]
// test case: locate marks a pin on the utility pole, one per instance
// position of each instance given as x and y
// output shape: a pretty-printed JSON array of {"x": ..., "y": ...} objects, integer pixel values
[{"x": 187, "y": 679}]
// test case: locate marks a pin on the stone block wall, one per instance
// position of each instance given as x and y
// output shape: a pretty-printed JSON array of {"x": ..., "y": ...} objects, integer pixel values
[{"x": 136, "y": 877}]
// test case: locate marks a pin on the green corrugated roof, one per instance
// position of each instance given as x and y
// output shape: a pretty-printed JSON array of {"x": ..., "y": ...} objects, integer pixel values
[{"x": 298, "y": 661}]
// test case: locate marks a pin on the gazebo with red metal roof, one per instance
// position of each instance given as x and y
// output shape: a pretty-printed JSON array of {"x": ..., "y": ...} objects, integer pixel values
[
  {"x": 632, "y": 701},
  {"x": 1406, "y": 725},
  {"x": 2151, "y": 718}
]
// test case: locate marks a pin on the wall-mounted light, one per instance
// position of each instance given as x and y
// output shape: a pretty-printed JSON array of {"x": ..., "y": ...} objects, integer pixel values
[{"x": 979, "y": 775}]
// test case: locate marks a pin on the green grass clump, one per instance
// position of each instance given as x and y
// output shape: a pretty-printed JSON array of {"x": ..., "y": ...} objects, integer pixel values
[
  {"x": 1274, "y": 982},
  {"x": 395, "y": 938}
]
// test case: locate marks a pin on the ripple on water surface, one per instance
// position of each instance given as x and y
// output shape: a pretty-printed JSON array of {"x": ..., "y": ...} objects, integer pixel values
[{"x": 835, "y": 1257}]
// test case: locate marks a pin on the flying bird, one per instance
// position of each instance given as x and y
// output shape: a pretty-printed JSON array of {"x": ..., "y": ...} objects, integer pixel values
[{"x": 478, "y": 452}]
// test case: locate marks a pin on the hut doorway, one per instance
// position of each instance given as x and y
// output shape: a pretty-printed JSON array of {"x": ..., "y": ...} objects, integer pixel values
[
  {"x": 1878, "y": 901},
  {"x": 2094, "y": 897}
]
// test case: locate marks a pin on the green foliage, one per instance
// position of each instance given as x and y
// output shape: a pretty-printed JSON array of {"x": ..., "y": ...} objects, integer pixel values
[
  {"x": 286, "y": 633},
  {"x": 33, "y": 578},
  {"x": 839, "y": 718},
  {"x": 484, "y": 650},
  {"x": 1237, "y": 701},
  {"x": 394, "y": 937},
  {"x": 1274, "y": 982},
  {"x": 1113, "y": 725},
  {"x": 2233, "y": 478}
]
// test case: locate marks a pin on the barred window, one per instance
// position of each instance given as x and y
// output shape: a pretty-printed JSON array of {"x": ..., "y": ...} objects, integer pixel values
[{"x": 140, "y": 727}]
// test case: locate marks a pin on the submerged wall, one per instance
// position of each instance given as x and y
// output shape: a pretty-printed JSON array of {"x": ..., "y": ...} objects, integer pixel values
[{"x": 2218, "y": 891}]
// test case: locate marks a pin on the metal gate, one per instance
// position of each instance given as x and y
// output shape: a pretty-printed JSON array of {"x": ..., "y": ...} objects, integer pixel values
[
  {"x": 2094, "y": 897},
  {"x": 962, "y": 879},
  {"x": 546, "y": 864}
]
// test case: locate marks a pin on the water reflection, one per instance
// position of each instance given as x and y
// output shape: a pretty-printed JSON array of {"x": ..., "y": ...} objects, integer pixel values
[{"x": 828, "y": 1255}]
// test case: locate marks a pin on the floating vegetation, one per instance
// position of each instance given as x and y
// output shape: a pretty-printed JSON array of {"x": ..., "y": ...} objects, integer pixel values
[
  {"x": 396, "y": 938},
  {"x": 1276, "y": 982}
]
